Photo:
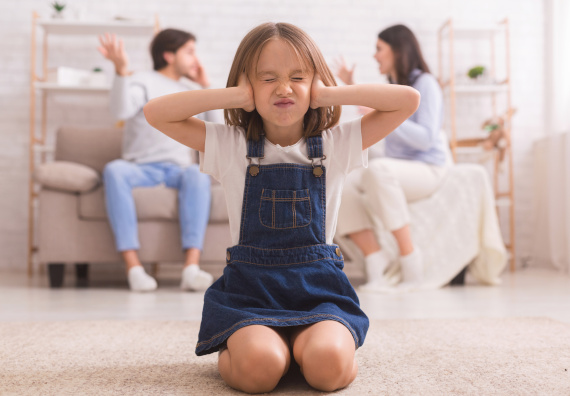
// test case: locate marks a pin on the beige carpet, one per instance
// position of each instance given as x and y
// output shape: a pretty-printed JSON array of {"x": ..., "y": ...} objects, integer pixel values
[{"x": 529, "y": 356}]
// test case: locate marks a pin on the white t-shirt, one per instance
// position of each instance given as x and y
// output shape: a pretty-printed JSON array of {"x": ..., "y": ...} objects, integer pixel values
[{"x": 225, "y": 159}]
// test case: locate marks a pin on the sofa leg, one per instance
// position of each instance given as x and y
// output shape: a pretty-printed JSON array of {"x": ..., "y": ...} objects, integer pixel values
[
  {"x": 56, "y": 272},
  {"x": 459, "y": 279},
  {"x": 81, "y": 274},
  {"x": 154, "y": 270}
]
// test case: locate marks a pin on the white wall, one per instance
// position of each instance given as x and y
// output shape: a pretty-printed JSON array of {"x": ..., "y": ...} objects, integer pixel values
[{"x": 339, "y": 26}]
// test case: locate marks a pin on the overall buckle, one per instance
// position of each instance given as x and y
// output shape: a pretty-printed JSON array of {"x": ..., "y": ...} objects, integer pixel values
[{"x": 318, "y": 169}]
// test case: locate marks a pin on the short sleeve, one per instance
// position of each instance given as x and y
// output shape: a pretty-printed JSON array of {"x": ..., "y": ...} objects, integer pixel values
[
  {"x": 223, "y": 143},
  {"x": 347, "y": 146}
]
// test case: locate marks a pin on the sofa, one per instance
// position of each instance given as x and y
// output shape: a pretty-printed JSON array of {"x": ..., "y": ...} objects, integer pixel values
[
  {"x": 72, "y": 223},
  {"x": 456, "y": 227}
]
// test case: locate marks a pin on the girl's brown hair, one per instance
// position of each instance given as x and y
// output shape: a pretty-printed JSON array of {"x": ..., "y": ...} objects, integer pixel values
[
  {"x": 407, "y": 53},
  {"x": 247, "y": 55}
]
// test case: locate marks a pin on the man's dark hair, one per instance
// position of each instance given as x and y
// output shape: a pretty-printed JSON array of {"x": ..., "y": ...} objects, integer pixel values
[{"x": 167, "y": 40}]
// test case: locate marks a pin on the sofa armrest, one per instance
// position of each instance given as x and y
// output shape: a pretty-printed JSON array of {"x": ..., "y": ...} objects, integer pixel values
[{"x": 67, "y": 176}]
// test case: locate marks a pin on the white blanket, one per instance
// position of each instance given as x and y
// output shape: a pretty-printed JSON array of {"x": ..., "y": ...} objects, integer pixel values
[{"x": 455, "y": 227}]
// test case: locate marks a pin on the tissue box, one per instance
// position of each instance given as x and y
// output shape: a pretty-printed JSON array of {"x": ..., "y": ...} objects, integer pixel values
[{"x": 73, "y": 77}]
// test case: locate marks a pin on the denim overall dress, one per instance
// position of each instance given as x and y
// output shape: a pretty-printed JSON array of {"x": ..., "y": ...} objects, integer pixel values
[{"x": 282, "y": 272}]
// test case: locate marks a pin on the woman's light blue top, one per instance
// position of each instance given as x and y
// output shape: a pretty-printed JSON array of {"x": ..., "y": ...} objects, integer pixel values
[{"x": 419, "y": 138}]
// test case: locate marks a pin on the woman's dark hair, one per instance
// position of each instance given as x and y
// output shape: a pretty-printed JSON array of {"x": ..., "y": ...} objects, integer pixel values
[
  {"x": 167, "y": 40},
  {"x": 407, "y": 53}
]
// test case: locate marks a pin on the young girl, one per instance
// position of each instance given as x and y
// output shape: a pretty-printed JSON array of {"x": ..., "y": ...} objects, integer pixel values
[{"x": 282, "y": 163}]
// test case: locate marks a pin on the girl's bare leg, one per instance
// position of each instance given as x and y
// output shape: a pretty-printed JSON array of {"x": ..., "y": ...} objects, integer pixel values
[
  {"x": 325, "y": 354},
  {"x": 255, "y": 359}
]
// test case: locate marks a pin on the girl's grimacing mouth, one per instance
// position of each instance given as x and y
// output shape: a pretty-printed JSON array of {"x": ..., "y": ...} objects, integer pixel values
[{"x": 284, "y": 103}]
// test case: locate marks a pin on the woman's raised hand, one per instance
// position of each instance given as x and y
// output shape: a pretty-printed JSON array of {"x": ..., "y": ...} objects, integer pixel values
[
  {"x": 343, "y": 72},
  {"x": 114, "y": 50},
  {"x": 248, "y": 103}
]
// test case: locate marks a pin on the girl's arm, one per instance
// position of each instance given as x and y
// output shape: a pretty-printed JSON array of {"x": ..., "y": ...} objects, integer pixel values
[
  {"x": 174, "y": 114},
  {"x": 392, "y": 105}
]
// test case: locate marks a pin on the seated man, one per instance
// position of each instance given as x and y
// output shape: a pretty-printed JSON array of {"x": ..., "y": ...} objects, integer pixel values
[{"x": 150, "y": 158}]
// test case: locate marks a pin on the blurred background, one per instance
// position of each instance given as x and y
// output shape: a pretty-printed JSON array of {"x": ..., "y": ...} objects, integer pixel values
[{"x": 538, "y": 78}]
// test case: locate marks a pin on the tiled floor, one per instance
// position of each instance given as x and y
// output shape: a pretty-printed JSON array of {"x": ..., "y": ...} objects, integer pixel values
[{"x": 528, "y": 292}]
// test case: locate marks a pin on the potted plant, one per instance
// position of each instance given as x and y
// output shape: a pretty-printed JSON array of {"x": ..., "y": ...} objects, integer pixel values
[
  {"x": 97, "y": 77},
  {"x": 58, "y": 8},
  {"x": 477, "y": 74}
]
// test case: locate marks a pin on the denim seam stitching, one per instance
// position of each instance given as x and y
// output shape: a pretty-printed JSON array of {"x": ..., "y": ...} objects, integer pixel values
[
  {"x": 285, "y": 228},
  {"x": 279, "y": 320},
  {"x": 299, "y": 247},
  {"x": 293, "y": 209},
  {"x": 244, "y": 209},
  {"x": 286, "y": 264}
]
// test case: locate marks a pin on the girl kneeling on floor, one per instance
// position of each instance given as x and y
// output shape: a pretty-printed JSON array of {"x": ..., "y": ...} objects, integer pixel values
[{"x": 282, "y": 161}]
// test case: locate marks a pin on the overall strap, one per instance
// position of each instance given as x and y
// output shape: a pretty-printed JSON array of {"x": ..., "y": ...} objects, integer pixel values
[
  {"x": 255, "y": 149},
  {"x": 315, "y": 146}
]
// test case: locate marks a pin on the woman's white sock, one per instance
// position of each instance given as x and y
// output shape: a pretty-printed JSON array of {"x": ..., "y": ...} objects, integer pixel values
[
  {"x": 376, "y": 263},
  {"x": 139, "y": 280},
  {"x": 412, "y": 267}
]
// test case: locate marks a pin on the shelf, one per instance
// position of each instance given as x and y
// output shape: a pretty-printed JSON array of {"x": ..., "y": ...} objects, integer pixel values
[
  {"x": 480, "y": 32},
  {"x": 486, "y": 88},
  {"x": 470, "y": 150},
  {"x": 80, "y": 89},
  {"x": 40, "y": 88},
  {"x": 456, "y": 86},
  {"x": 39, "y": 148},
  {"x": 503, "y": 202},
  {"x": 74, "y": 27}
]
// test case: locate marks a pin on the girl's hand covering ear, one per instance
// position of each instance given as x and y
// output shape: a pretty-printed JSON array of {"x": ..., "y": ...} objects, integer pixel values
[
  {"x": 316, "y": 91},
  {"x": 248, "y": 103}
]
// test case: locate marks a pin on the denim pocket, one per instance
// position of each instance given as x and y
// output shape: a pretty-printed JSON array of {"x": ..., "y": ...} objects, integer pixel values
[{"x": 280, "y": 209}]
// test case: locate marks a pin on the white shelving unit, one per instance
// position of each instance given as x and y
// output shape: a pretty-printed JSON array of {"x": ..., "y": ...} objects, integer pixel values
[
  {"x": 40, "y": 88},
  {"x": 504, "y": 196}
]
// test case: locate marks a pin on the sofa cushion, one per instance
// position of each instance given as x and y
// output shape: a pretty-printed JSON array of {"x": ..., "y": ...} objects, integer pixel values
[
  {"x": 93, "y": 147},
  {"x": 67, "y": 176},
  {"x": 151, "y": 203}
]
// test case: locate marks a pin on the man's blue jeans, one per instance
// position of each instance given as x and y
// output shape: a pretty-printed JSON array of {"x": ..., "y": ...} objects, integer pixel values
[{"x": 121, "y": 176}]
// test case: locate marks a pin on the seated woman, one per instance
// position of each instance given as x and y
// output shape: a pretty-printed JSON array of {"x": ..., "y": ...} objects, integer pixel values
[{"x": 412, "y": 168}]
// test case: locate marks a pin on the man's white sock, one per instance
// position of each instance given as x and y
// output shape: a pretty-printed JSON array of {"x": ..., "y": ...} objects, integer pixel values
[
  {"x": 139, "y": 280},
  {"x": 193, "y": 278}
]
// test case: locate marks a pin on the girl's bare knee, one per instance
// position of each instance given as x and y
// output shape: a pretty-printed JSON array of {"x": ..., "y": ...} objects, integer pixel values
[
  {"x": 328, "y": 367},
  {"x": 259, "y": 370}
]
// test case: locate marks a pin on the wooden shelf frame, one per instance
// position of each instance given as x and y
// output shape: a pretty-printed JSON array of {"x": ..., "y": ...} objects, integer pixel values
[
  {"x": 40, "y": 88},
  {"x": 448, "y": 32}
]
